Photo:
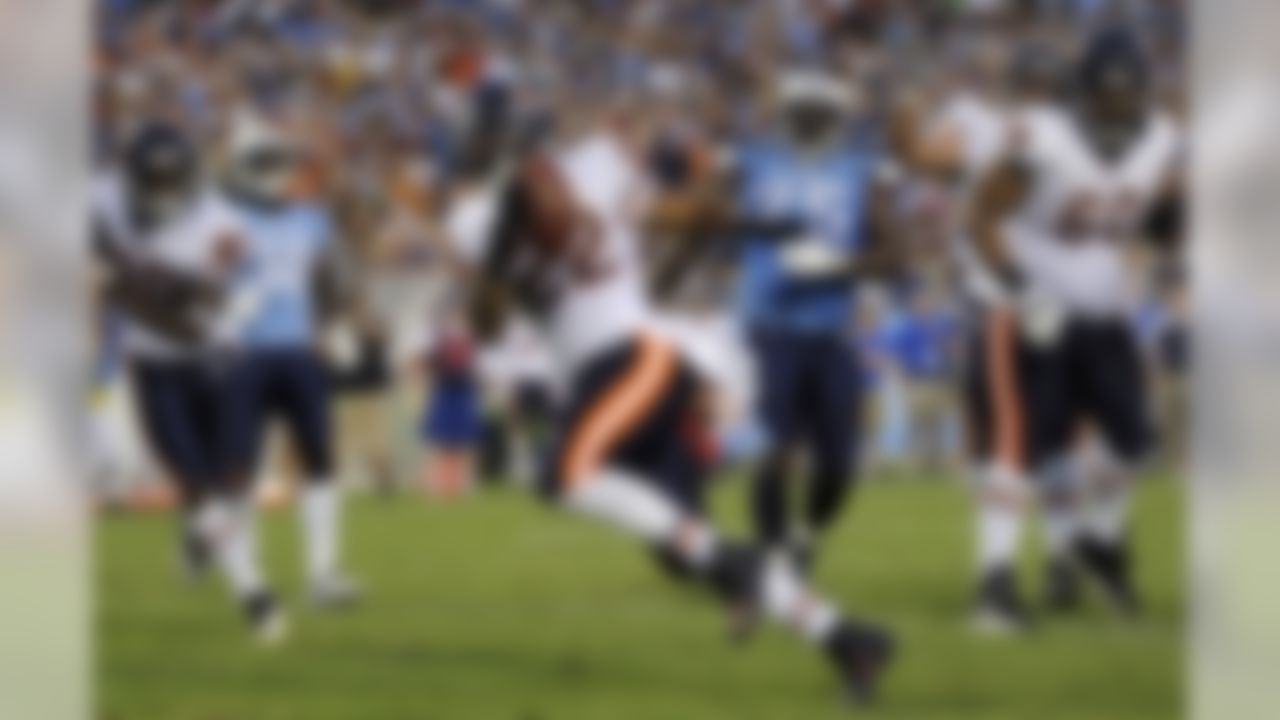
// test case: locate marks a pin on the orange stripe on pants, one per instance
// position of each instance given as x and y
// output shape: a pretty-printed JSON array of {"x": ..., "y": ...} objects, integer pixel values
[
  {"x": 621, "y": 409},
  {"x": 1009, "y": 430}
]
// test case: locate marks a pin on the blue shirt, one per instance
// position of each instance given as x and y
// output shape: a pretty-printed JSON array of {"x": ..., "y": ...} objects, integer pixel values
[
  {"x": 829, "y": 194},
  {"x": 284, "y": 248}
]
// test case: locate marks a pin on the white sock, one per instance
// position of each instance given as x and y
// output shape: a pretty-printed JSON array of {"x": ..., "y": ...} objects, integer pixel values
[
  {"x": 786, "y": 599},
  {"x": 230, "y": 528},
  {"x": 321, "y": 508},
  {"x": 1061, "y": 526},
  {"x": 1106, "y": 517},
  {"x": 627, "y": 502},
  {"x": 1108, "y": 497},
  {"x": 1001, "y": 505},
  {"x": 631, "y": 504},
  {"x": 1060, "y": 483}
]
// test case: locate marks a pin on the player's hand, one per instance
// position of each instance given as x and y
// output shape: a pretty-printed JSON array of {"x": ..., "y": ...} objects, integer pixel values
[{"x": 1040, "y": 317}]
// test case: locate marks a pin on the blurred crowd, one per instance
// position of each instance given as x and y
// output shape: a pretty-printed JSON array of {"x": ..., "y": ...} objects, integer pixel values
[{"x": 379, "y": 89}]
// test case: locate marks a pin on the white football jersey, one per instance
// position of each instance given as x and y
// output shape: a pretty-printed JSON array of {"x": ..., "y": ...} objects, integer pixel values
[
  {"x": 1069, "y": 237},
  {"x": 187, "y": 242},
  {"x": 588, "y": 314}
]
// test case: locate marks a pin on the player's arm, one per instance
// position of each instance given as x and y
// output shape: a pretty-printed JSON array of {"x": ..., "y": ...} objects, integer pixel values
[
  {"x": 813, "y": 260},
  {"x": 165, "y": 299},
  {"x": 702, "y": 217},
  {"x": 924, "y": 147},
  {"x": 489, "y": 300},
  {"x": 683, "y": 225},
  {"x": 1165, "y": 223},
  {"x": 885, "y": 254},
  {"x": 334, "y": 282},
  {"x": 999, "y": 194}
]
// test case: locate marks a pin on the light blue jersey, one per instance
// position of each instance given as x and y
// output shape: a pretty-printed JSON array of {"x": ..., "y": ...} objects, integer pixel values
[
  {"x": 285, "y": 246},
  {"x": 829, "y": 193}
]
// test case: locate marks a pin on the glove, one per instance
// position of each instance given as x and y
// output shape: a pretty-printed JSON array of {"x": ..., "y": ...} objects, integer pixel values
[{"x": 1040, "y": 318}]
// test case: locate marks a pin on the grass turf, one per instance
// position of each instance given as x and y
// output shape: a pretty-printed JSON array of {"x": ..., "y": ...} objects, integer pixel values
[{"x": 498, "y": 608}]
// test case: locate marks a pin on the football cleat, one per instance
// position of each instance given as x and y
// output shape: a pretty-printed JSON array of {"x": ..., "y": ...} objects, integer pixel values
[
  {"x": 1109, "y": 565},
  {"x": 335, "y": 592},
  {"x": 735, "y": 577},
  {"x": 267, "y": 619},
  {"x": 1062, "y": 586},
  {"x": 196, "y": 558},
  {"x": 861, "y": 654},
  {"x": 1000, "y": 610}
]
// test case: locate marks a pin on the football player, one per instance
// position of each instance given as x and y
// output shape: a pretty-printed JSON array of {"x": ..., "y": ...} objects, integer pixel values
[
  {"x": 546, "y": 231},
  {"x": 168, "y": 247},
  {"x": 1053, "y": 221},
  {"x": 287, "y": 284},
  {"x": 797, "y": 294}
]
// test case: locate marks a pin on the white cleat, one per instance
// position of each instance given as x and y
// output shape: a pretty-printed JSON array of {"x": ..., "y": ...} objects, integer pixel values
[
  {"x": 335, "y": 592},
  {"x": 269, "y": 623},
  {"x": 990, "y": 622},
  {"x": 273, "y": 631}
]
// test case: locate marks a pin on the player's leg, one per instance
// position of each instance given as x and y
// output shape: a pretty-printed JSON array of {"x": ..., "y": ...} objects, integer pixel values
[
  {"x": 776, "y": 365},
  {"x": 623, "y": 411},
  {"x": 995, "y": 387},
  {"x": 1054, "y": 411},
  {"x": 1115, "y": 389},
  {"x": 305, "y": 401},
  {"x": 232, "y": 516},
  {"x": 831, "y": 427},
  {"x": 1016, "y": 397},
  {"x": 171, "y": 425}
]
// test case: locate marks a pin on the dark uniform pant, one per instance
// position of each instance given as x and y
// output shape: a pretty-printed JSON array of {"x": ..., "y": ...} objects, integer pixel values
[{"x": 810, "y": 397}]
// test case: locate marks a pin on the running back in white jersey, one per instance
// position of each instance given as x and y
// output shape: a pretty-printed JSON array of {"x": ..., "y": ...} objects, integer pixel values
[
  {"x": 1069, "y": 236},
  {"x": 188, "y": 242},
  {"x": 567, "y": 245}
]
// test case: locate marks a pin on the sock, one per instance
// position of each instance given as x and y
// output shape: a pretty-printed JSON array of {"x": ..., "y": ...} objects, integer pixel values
[
  {"x": 633, "y": 505},
  {"x": 786, "y": 599},
  {"x": 1001, "y": 499},
  {"x": 1061, "y": 527},
  {"x": 629, "y": 503},
  {"x": 321, "y": 507},
  {"x": 230, "y": 528},
  {"x": 1105, "y": 516},
  {"x": 1060, "y": 483}
]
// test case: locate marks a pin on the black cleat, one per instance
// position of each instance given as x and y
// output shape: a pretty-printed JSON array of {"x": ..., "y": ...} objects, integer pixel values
[
  {"x": 861, "y": 654},
  {"x": 1110, "y": 565},
  {"x": 1000, "y": 610},
  {"x": 673, "y": 565},
  {"x": 197, "y": 558},
  {"x": 266, "y": 618},
  {"x": 804, "y": 555},
  {"x": 735, "y": 576},
  {"x": 1062, "y": 586}
]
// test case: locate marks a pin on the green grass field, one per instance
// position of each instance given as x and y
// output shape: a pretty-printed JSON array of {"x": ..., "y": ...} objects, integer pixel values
[{"x": 498, "y": 608}]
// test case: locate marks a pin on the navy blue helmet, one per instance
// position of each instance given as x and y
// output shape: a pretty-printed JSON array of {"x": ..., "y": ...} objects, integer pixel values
[
  {"x": 160, "y": 165},
  {"x": 1113, "y": 77},
  {"x": 1113, "y": 90}
]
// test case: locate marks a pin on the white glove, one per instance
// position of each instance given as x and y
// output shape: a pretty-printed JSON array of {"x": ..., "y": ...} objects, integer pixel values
[
  {"x": 811, "y": 258},
  {"x": 1041, "y": 318}
]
